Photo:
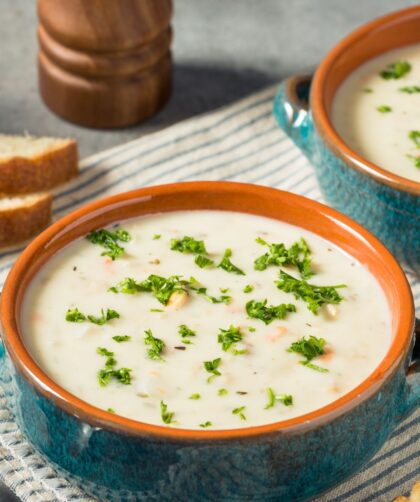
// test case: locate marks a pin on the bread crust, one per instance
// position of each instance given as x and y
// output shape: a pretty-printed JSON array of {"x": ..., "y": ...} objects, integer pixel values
[
  {"x": 20, "y": 223},
  {"x": 24, "y": 175},
  {"x": 414, "y": 495}
]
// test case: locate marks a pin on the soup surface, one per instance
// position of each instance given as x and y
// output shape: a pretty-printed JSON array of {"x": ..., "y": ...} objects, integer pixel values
[
  {"x": 377, "y": 111},
  {"x": 206, "y": 319}
]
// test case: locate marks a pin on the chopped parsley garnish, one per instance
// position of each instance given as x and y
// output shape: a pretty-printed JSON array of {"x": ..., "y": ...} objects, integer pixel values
[
  {"x": 167, "y": 416},
  {"x": 110, "y": 410},
  {"x": 224, "y": 290},
  {"x": 248, "y": 288},
  {"x": 156, "y": 346},
  {"x": 203, "y": 262},
  {"x": 240, "y": 412},
  {"x": 228, "y": 338},
  {"x": 310, "y": 347},
  {"x": 222, "y": 392},
  {"x": 212, "y": 299},
  {"x": 367, "y": 90},
  {"x": 251, "y": 329},
  {"x": 195, "y": 396},
  {"x": 105, "y": 317},
  {"x": 156, "y": 310},
  {"x": 188, "y": 245},
  {"x": 396, "y": 70},
  {"x": 74, "y": 315},
  {"x": 314, "y": 296},
  {"x": 156, "y": 237},
  {"x": 384, "y": 109},
  {"x": 410, "y": 89},
  {"x": 286, "y": 399},
  {"x": 212, "y": 367},
  {"x": 267, "y": 314},
  {"x": 105, "y": 375},
  {"x": 416, "y": 160},
  {"x": 121, "y": 338},
  {"x": 415, "y": 137},
  {"x": 227, "y": 265},
  {"x": 109, "y": 240},
  {"x": 102, "y": 351},
  {"x": 185, "y": 333},
  {"x": 206, "y": 424},
  {"x": 298, "y": 255},
  {"x": 161, "y": 287}
]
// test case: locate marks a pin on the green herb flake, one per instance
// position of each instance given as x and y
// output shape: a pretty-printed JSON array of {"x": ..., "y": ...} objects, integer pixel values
[
  {"x": 227, "y": 265},
  {"x": 74, "y": 315},
  {"x": 314, "y": 296},
  {"x": 195, "y": 396},
  {"x": 121, "y": 338},
  {"x": 384, "y": 109},
  {"x": 203, "y": 262},
  {"x": 286, "y": 399},
  {"x": 252, "y": 329},
  {"x": 415, "y": 137},
  {"x": 206, "y": 424},
  {"x": 212, "y": 367},
  {"x": 240, "y": 412},
  {"x": 298, "y": 255},
  {"x": 161, "y": 288},
  {"x": 188, "y": 245},
  {"x": 367, "y": 90},
  {"x": 396, "y": 70},
  {"x": 226, "y": 299},
  {"x": 228, "y": 338},
  {"x": 105, "y": 375},
  {"x": 105, "y": 317},
  {"x": 156, "y": 237},
  {"x": 222, "y": 392},
  {"x": 416, "y": 160},
  {"x": 259, "y": 310},
  {"x": 186, "y": 333},
  {"x": 156, "y": 346},
  {"x": 248, "y": 288},
  {"x": 309, "y": 347},
  {"x": 410, "y": 89},
  {"x": 156, "y": 310},
  {"x": 109, "y": 240},
  {"x": 110, "y": 410},
  {"x": 167, "y": 416}
]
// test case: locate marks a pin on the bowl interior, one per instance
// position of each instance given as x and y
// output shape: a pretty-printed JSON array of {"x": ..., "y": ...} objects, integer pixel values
[
  {"x": 382, "y": 35},
  {"x": 268, "y": 202},
  {"x": 372, "y": 39}
]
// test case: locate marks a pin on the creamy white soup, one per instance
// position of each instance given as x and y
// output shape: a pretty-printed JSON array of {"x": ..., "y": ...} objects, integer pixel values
[
  {"x": 206, "y": 320},
  {"x": 377, "y": 111}
]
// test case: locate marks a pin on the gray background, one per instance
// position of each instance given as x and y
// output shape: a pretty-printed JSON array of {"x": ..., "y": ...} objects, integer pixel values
[{"x": 223, "y": 50}]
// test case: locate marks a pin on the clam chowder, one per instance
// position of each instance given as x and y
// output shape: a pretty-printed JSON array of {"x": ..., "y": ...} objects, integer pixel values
[
  {"x": 206, "y": 320},
  {"x": 376, "y": 111}
]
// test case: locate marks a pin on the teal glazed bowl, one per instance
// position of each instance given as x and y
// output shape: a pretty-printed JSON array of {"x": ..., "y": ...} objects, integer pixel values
[
  {"x": 386, "y": 204},
  {"x": 115, "y": 458}
]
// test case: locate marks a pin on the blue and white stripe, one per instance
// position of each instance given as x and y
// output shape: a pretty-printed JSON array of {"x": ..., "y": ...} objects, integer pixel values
[{"x": 242, "y": 143}]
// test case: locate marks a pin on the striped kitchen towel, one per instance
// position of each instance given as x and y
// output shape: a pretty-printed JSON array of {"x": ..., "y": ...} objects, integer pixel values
[{"x": 241, "y": 142}]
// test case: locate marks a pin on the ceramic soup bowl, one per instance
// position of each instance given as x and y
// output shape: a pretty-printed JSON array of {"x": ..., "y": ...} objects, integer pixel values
[
  {"x": 289, "y": 460},
  {"x": 386, "y": 204}
]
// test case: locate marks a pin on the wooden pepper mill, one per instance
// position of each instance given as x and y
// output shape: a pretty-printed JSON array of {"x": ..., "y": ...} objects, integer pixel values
[{"x": 105, "y": 63}]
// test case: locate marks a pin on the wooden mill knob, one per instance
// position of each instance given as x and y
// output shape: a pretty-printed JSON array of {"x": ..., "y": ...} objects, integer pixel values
[{"x": 105, "y": 63}]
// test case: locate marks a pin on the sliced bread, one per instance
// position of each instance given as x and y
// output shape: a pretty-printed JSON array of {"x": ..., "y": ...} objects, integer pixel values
[
  {"x": 30, "y": 165},
  {"x": 23, "y": 217}
]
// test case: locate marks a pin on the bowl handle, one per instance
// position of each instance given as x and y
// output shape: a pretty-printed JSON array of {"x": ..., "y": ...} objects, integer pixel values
[
  {"x": 413, "y": 374},
  {"x": 291, "y": 110}
]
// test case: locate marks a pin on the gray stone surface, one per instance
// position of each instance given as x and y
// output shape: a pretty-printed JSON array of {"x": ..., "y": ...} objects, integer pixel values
[{"x": 223, "y": 50}]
